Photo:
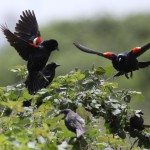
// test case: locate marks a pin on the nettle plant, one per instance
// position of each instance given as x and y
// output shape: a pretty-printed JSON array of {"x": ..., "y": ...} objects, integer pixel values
[{"x": 34, "y": 122}]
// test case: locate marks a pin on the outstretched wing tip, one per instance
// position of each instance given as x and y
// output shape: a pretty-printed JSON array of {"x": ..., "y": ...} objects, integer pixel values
[
  {"x": 3, "y": 27},
  {"x": 88, "y": 50},
  {"x": 137, "y": 51},
  {"x": 76, "y": 44}
]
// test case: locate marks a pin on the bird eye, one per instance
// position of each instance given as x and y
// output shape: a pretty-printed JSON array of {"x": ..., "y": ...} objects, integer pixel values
[{"x": 119, "y": 59}]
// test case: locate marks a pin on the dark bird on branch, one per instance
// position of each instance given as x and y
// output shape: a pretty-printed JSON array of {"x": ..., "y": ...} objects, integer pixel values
[
  {"x": 38, "y": 80},
  {"x": 124, "y": 63},
  {"x": 74, "y": 122},
  {"x": 27, "y": 42}
]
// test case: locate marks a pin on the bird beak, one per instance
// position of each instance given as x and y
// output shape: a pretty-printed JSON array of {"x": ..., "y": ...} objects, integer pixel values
[
  {"x": 59, "y": 113},
  {"x": 58, "y": 65}
]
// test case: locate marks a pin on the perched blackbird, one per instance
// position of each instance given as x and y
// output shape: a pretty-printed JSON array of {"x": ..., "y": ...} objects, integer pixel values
[
  {"x": 74, "y": 122},
  {"x": 27, "y": 42},
  {"x": 38, "y": 80},
  {"x": 122, "y": 62}
]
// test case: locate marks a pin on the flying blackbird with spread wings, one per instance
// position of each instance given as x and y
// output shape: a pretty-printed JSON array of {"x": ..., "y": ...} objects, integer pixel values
[
  {"x": 125, "y": 62},
  {"x": 27, "y": 41}
]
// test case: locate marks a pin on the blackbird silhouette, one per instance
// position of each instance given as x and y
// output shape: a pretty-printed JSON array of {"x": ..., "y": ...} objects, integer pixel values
[
  {"x": 74, "y": 122},
  {"x": 27, "y": 42},
  {"x": 125, "y": 62},
  {"x": 38, "y": 80}
]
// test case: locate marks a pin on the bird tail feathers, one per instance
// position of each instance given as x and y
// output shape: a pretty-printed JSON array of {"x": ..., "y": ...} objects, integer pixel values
[
  {"x": 144, "y": 64},
  {"x": 79, "y": 132},
  {"x": 35, "y": 81}
]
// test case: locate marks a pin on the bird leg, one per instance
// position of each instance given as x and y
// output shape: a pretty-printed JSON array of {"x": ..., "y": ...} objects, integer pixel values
[
  {"x": 118, "y": 74},
  {"x": 126, "y": 75},
  {"x": 131, "y": 74}
]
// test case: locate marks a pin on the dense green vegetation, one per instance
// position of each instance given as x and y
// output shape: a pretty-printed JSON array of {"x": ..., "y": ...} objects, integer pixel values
[
  {"x": 110, "y": 120},
  {"x": 105, "y": 34}
]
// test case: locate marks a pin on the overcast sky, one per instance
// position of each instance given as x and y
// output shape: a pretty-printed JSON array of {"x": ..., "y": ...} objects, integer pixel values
[
  {"x": 50, "y": 10},
  {"x": 69, "y": 9}
]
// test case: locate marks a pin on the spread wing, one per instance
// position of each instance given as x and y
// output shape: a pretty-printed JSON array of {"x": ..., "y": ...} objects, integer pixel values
[
  {"x": 144, "y": 64},
  {"x": 27, "y": 27},
  {"x": 87, "y": 50},
  {"x": 108, "y": 55},
  {"x": 137, "y": 51},
  {"x": 23, "y": 47}
]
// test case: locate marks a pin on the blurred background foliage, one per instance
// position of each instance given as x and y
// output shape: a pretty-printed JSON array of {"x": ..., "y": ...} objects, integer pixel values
[{"x": 103, "y": 34}]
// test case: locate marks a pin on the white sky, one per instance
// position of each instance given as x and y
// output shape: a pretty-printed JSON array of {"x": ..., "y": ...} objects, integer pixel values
[
  {"x": 47, "y": 10},
  {"x": 66, "y": 9}
]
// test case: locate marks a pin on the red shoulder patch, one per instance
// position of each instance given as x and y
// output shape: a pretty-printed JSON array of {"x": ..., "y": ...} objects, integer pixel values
[
  {"x": 108, "y": 55},
  {"x": 136, "y": 50},
  {"x": 37, "y": 40}
]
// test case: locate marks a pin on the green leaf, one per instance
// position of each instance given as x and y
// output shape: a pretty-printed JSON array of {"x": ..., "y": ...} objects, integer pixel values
[
  {"x": 103, "y": 106},
  {"x": 100, "y": 71},
  {"x": 27, "y": 96},
  {"x": 3, "y": 138},
  {"x": 116, "y": 112},
  {"x": 109, "y": 70}
]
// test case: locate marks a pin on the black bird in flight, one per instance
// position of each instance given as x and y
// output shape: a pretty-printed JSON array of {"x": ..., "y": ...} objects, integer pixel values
[
  {"x": 27, "y": 41},
  {"x": 122, "y": 62},
  {"x": 38, "y": 80},
  {"x": 74, "y": 122}
]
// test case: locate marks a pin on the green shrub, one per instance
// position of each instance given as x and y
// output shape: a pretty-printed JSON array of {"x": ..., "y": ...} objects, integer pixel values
[{"x": 106, "y": 109}]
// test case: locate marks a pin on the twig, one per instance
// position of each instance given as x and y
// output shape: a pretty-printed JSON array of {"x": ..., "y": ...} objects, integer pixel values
[{"x": 133, "y": 144}]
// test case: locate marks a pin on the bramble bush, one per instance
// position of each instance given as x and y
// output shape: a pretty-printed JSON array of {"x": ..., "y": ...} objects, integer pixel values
[{"x": 34, "y": 122}]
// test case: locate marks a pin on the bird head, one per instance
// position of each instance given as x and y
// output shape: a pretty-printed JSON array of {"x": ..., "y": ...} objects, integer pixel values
[
  {"x": 52, "y": 66},
  {"x": 121, "y": 58},
  {"x": 65, "y": 111},
  {"x": 51, "y": 44}
]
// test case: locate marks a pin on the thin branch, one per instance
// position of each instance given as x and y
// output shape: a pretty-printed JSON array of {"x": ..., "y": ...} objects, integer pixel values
[{"x": 133, "y": 144}]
